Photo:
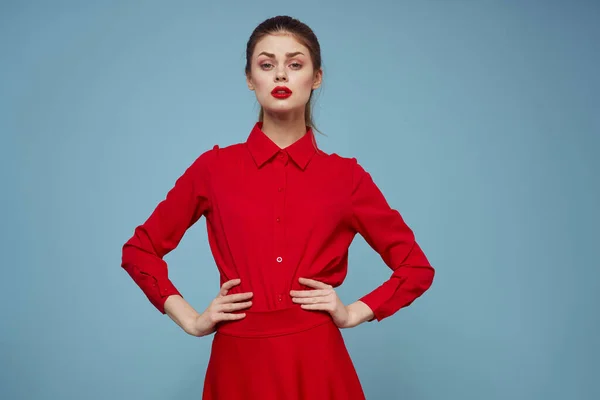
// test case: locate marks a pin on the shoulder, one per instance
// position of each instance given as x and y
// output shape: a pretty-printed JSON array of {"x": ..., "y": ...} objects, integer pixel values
[
  {"x": 211, "y": 157},
  {"x": 345, "y": 164}
]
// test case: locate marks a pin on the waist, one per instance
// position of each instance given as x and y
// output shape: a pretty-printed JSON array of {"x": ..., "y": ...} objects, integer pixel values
[{"x": 274, "y": 322}]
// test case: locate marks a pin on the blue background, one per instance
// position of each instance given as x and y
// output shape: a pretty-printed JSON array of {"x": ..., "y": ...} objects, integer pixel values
[{"x": 479, "y": 120}]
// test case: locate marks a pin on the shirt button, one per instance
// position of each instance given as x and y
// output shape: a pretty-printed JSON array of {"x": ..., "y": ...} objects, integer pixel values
[
  {"x": 280, "y": 155},
  {"x": 279, "y": 259},
  {"x": 278, "y": 219},
  {"x": 279, "y": 298},
  {"x": 280, "y": 189}
]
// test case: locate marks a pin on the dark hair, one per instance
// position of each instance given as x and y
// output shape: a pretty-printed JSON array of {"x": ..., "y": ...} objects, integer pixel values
[{"x": 283, "y": 24}]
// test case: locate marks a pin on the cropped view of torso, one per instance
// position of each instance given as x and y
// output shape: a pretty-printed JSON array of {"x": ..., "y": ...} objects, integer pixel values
[{"x": 275, "y": 215}]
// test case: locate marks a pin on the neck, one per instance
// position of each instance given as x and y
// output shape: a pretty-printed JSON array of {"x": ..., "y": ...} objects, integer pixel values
[{"x": 284, "y": 130}]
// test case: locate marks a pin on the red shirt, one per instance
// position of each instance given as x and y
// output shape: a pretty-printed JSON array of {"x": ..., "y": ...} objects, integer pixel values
[{"x": 274, "y": 215}]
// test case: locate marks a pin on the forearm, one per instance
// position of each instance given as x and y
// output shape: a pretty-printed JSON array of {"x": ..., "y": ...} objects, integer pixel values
[
  {"x": 181, "y": 312},
  {"x": 360, "y": 312}
]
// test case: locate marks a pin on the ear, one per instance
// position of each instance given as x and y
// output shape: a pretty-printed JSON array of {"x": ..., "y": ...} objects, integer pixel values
[
  {"x": 249, "y": 82},
  {"x": 318, "y": 79}
]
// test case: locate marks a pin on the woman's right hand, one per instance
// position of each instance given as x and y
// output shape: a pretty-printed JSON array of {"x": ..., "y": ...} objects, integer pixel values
[{"x": 220, "y": 309}]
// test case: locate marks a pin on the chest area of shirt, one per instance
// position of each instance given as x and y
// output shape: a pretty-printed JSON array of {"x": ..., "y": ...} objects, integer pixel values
[{"x": 281, "y": 195}]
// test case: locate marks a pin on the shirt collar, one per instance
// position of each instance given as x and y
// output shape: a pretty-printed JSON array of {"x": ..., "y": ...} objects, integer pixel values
[{"x": 262, "y": 148}]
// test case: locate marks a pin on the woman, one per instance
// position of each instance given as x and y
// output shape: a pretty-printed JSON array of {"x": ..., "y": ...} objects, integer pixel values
[{"x": 280, "y": 216}]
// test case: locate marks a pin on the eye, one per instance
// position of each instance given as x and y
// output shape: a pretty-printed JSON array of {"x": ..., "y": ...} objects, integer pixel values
[
  {"x": 298, "y": 65},
  {"x": 263, "y": 64}
]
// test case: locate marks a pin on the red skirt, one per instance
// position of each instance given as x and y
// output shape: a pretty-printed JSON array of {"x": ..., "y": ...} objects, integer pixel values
[{"x": 289, "y": 354}]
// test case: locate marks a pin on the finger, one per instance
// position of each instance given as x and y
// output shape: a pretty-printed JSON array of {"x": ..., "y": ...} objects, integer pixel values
[
  {"x": 318, "y": 306},
  {"x": 230, "y": 298},
  {"x": 229, "y": 307},
  {"x": 228, "y": 285},
  {"x": 310, "y": 300},
  {"x": 230, "y": 316},
  {"x": 310, "y": 293},
  {"x": 313, "y": 283}
]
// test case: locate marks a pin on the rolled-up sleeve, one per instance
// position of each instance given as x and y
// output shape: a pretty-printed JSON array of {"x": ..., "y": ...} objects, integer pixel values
[
  {"x": 184, "y": 204},
  {"x": 384, "y": 229}
]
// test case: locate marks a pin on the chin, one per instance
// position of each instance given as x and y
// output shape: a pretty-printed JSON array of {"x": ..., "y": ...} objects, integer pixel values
[{"x": 282, "y": 107}]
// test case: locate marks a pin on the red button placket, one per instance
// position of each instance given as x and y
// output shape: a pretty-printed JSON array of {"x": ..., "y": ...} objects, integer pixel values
[{"x": 279, "y": 259}]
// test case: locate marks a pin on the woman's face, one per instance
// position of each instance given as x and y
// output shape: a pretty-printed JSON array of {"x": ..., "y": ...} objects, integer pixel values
[{"x": 280, "y": 60}]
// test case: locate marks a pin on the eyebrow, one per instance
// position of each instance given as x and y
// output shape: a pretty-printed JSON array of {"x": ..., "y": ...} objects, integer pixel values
[{"x": 288, "y": 55}]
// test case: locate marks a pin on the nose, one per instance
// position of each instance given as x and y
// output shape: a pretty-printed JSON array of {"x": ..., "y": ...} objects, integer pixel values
[{"x": 281, "y": 76}]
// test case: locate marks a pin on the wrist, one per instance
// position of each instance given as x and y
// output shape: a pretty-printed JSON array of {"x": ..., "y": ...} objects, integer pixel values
[
  {"x": 353, "y": 319},
  {"x": 190, "y": 325},
  {"x": 359, "y": 312}
]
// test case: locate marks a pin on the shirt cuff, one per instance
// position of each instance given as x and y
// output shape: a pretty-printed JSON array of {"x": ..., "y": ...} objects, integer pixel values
[
  {"x": 376, "y": 298},
  {"x": 157, "y": 290}
]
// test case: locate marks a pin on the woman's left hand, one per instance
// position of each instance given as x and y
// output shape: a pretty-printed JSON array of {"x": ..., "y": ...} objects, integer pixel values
[{"x": 323, "y": 298}]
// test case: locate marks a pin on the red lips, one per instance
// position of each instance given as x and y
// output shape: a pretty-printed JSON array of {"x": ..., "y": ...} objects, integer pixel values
[{"x": 281, "y": 92}]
